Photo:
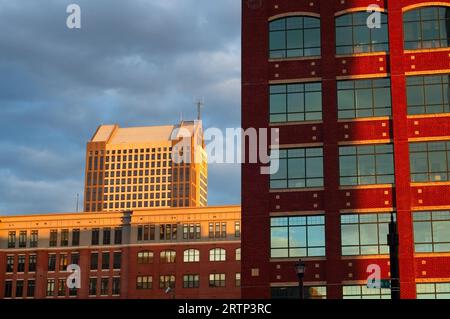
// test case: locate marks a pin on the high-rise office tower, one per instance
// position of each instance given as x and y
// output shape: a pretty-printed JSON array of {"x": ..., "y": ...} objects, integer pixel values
[
  {"x": 128, "y": 168},
  {"x": 360, "y": 93}
]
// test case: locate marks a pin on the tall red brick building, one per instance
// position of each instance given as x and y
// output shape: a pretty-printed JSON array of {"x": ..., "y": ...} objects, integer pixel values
[{"x": 361, "y": 100}]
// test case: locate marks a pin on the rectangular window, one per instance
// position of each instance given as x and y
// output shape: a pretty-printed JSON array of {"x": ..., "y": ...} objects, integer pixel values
[
  {"x": 31, "y": 287},
  {"x": 105, "y": 261},
  {"x": 61, "y": 287},
  {"x": 19, "y": 288},
  {"x": 34, "y": 238},
  {"x": 365, "y": 234},
  {"x": 238, "y": 279},
  {"x": 297, "y": 236},
  {"x": 430, "y": 162},
  {"x": 118, "y": 236},
  {"x": 363, "y": 292},
  {"x": 366, "y": 164},
  {"x": 211, "y": 230},
  {"x": 310, "y": 292},
  {"x": 32, "y": 261},
  {"x": 23, "y": 239},
  {"x": 64, "y": 237},
  {"x": 51, "y": 262},
  {"x": 166, "y": 281},
  {"x": 53, "y": 240},
  {"x": 92, "y": 286},
  {"x": 106, "y": 236},
  {"x": 428, "y": 94},
  {"x": 10, "y": 263},
  {"x": 191, "y": 281},
  {"x": 116, "y": 286},
  {"x": 94, "y": 261},
  {"x": 216, "y": 280},
  {"x": 364, "y": 98},
  {"x": 75, "y": 258},
  {"x": 432, "y": 231},
  {"x": 21, "y": 263},
  {"x": 224, "y": 230},
  {"x": 237, "y": 229},
  {"x": 144, "y": 282},
  {"x": 117, "y": 260},
  {"x": 63, "y": 262},
  {"x": 104, "y": 286},
  {"x": 297, "y": 168},
  {"x": 8, "y": 289},
  {"x": 95, "y": 239},
  {"x": 433, "y": 290},
  {"x": 12, "y": 239},
  {"x": 75, "y": 237},
  {"x": 296, "y": 102},
  {"x": 50, "y": 287},
  {"x": 198, "y": 232}
]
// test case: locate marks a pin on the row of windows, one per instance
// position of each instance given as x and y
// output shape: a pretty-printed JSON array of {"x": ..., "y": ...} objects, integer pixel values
[
  {"x": 359, "y": 165},
  {"x": 361, "y": 234},
  {"x": 299, "y": 36},
  {"x": 151, "y": 232},
  {"x": 137, "y": 204},
  {"x": 363, "y": 98},
  {"x": 189, "y": 256},
  {"x": 216, "y": 280},
  {"x": 424, "y": 291}
]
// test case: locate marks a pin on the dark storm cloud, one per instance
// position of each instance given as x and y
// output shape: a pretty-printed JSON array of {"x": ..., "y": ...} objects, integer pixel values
[{"x": 133, "y": 63}]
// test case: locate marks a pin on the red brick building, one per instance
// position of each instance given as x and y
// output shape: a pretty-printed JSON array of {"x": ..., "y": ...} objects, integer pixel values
[
  {"x": 195, "y": 252},
  {"x": 361, "y": 100}
]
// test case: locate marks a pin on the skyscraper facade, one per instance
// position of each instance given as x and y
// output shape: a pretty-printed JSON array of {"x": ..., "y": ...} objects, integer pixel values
[
  {"x": 359, "y": 91},
  {"x": 129, "y": 168}
]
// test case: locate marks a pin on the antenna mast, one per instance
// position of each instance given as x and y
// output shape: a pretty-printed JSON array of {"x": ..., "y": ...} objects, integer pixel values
[{"x": 199, "y": 104}]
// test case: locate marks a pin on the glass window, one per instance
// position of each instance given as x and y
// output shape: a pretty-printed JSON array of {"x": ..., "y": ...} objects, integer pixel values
[
  {"x": 297, "y": 236},
  {"x": 364, "y": 98},
  {"x": 75, "y": 237},
  {"x": 50, "y": 287},
  {"x": 63, "y": 262},
  {"x": 21, "y": 263},
  {"x": 51, "y": 262},
  {"x": 426, "y": 27},
  {"x": 297, "y": 168},
  {"x": 118, "y": 236},
  {"x": 237, "y": 229},
  {"x": 12, "y": 239},
  {"x": 353, "y": 36},
  {"x": 144, "y": 282},
  {"x": 363, "y": 292},
  {"x": 191, "y": 281},
  {"x": 8, "y": 289},
  {"x": 95, "y": 236},
  {"x": 216, "y": 280},
  {"x": 167, "y": 256},
  {"x": 166, "y": 281},
  {"x": 217, "y": 254},
  {"x": 432, "y": 231},
  {"x": 295, "y": 102},
  {"x": 19, "y": 288},
  {"x": 366, "y": 164},
  {"x": 238, "y": 254},
  {"x": 104, "y": 286},
  {"x": 32, "y": 261},
  {"x": 428, "y": 94},
  {"x": 10, "y": 263},
  {"x": 191, "y": 255},
  {"x": 31, "y": 287},
  {"x": 64, "y": 237},
  {"x": 145, "y": 257},
  {"x": 365, "y": 234},
  {"x": 117, "y": 260},
  {"x": 433, "y": 290},
  {"x": 105, "y": 260},
  {"x": 34, "y": 238},
  {"x": 61, "y": 287},
  {"x": 23, "y": 239},
  {"x": 430, "y": 161},
  {"x": 106, "y": 236},
  {"x": 53, "y": 241},
  {"x": 310, "y": 292},
  {"x": 92, "y": 286},
  {"x": 294, "y": 37},
  {"x": 94, "y": 261}
]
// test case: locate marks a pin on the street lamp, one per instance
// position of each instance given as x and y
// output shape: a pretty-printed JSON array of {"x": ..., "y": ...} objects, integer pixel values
[{"x": 300, "y": 268}]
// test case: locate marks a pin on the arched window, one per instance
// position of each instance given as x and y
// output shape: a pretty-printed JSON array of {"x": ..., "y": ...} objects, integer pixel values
[
  {"x": 238, "y": 254},
  {"x": 145, "y": 257},
  {"x": 353, "y": 35},
  {"x": 167, "y": 256},
  {"x": 294, "y": 37},
  {"x": 426, "y": 27},
  {"x": 217, "y": 254},
  {"x": 191, "y": 256}
]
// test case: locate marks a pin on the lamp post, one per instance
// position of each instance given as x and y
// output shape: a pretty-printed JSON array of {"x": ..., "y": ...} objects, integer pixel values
[
  {"x": 300, "y": 268},
  {"x": 393, "y": 242}
]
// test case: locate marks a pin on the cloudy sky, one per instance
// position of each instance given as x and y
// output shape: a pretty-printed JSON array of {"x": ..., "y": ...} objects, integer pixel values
[{"x": 134, "y": 63}]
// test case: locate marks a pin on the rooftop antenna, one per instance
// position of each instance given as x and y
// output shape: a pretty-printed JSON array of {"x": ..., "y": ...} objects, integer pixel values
[
  {"x": 78, "y": 199},
  {"x": 200, "y": 104}
]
